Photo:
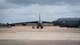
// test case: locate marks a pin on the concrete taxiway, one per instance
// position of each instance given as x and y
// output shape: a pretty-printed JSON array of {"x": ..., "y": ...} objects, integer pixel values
[
  {"x": 46, "y": 36},
  {"x": 40, "y": 36}
]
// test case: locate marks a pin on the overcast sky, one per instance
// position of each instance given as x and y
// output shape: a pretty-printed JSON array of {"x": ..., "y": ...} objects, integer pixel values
[{"x": 12, "y": 11}]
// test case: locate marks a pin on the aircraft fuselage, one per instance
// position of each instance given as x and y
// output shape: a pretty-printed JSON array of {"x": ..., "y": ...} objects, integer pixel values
[{"x": 39, "y": 25}]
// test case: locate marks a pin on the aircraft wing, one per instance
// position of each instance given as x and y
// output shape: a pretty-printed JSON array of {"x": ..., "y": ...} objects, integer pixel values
[
  {"x": 32, "y": 22},
  {"x": 37, "y": 22},
  {"x": 46, "y": 22},
  {"x": 24, "y": 23}
]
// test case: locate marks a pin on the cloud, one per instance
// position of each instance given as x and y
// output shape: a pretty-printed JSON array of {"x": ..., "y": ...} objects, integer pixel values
[
  {"x": 43, "y": 2},
  {"x": 30, "y": 13},
  {"x": 5, "y": 5},
  {"x": 28, "y": 10},
  {"x": 8, "y": 6}
]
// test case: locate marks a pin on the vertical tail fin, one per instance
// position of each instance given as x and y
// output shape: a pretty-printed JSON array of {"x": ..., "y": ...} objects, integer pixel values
[{"x": 39, "y": 18}]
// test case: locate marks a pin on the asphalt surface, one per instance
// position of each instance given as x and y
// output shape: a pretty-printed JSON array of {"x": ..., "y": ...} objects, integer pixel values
[
  {"x": 39, "y": 42},
  {"x": 39, "y": 38},
  {"x": 46, "y": 36}
]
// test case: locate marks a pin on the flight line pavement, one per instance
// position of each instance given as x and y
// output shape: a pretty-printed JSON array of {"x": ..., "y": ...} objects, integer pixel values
[
  {"x": 39, "y": 36},
  {"x": 47, "y": 36}
]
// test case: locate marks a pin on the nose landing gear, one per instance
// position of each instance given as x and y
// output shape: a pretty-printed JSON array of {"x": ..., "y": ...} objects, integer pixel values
[{"x": 38, "y": 27}]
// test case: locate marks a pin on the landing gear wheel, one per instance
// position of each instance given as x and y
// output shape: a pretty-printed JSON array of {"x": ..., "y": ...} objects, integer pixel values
[
  {"x": 41, "y": 27},
  {"x": 37, "y": 27},
  {"x": 33, "y": 27}
]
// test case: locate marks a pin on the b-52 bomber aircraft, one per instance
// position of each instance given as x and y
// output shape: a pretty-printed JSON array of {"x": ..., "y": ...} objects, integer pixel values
[{"x": 37, "y": 24}]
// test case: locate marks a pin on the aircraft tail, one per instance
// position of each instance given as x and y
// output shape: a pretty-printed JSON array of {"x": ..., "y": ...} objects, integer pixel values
[{"x": 39, "y": 18}]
